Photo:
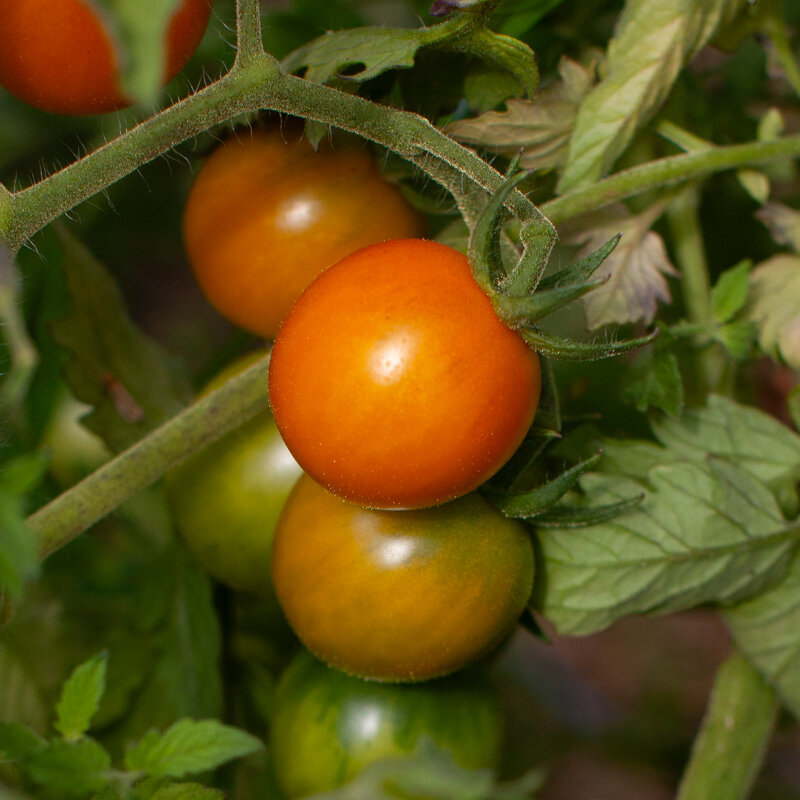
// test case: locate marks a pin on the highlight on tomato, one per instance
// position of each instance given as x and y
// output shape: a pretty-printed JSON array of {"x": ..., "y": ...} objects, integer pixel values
[
  {"x": 61, "y": 55},
  {"x": 395, "y": 384},
  {"x": 399, "y": 595},
  {"x": 227, "y": 498},
  {"x": 266, "y": 214},
  {"x": 327, "y": 726}
]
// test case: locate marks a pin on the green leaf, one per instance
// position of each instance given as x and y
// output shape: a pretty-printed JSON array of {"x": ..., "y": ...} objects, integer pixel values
[
  {"x": 132, "y": 384},
  {"x": 767, "y": 630},
  {"x": 652, "y": 42},
  {"x": 364, "y": 53},
  {"x": 755, "y": 183},
  {"x": 534, "y": 307},
  {"x": 654, "y": 382},
  {"x": 75, "y": 768},
  {"x": 753, "y": 440},
  {"x": 571, "y": 516},
  {"x": 708, "y": 534},
  {"x": 139, "y": 28},
  {"x": 532, "y": 503},
  {"x": 582, "y": 269},
  {"x": 80, "y": 697},
  {"x": 189, "y": 747},
  {"x": 18, "y": 742},
  {"x": 738, "y": 338},
  {"x": 730, "y": 291},
  {"x": 573, "y": 350},
  {"x": 775, "y": 307},
  {"x": 539, "y": 127}
]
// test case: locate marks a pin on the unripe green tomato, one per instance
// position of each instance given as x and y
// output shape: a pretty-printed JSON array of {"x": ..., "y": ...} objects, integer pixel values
[
  {"x": 328, "y": 726},
  {"x": 226, "y": 499}
]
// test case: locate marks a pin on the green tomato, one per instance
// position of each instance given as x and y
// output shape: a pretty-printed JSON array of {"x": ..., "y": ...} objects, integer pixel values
[
  {"x": 328, "y": 726},
  {"x": 226, "y": 499}
]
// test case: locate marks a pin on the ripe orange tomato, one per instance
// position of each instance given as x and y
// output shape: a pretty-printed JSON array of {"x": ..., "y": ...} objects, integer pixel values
[
  {"x": 267, "y": 214},
  {"x": 327, "y": 726},
  {"x": 394, "y": 383},
  {"x": 226, "y": 499},
  {"x": 399, "y": 595},
  {"x": 59, "y": 55}
]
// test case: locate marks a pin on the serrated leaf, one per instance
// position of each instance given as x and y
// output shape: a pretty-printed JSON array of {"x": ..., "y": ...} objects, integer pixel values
[
  {"x": 80, "y": 697},
  {"x": 540, "y": 127},
  {"x": 730, "y": 291},
  {"x": 783, "y": 223},
  {"x": 654, "y": 382},
  {"x": 139, "y": 29},
  {"x": 186, "y": 791},
  {"x": 752, "y": 439},
  {"x": 364, "y": 53},
  {"x": 18, "y": 742},
  {"x": 132, "y": 384},
  {"x": 652, "y": 41},
  {"x": 775, "y": 307},
  {"x": 189, "y": 747},
  {"x": 73, "y": 768},
  {"x": 767, "y": 630},
  {"x": 634, "y": 273},
  {"x": 708, "y": 534},
  {"x": 738, "y": 338}
]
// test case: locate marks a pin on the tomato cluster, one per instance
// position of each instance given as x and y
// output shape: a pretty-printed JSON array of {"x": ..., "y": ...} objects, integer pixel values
[{"x": 399, "y": 391}]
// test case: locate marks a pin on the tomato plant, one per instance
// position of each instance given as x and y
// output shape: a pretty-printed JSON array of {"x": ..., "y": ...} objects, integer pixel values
[
  {"x": 267, "y": 214},
  {"x": 395, "y": 384},
  {"x": 399, "y": 596},
  {"x": 226, "y": 499},
  {"x": 60, "y": 56},
  {"x": 328, "y": 726}
]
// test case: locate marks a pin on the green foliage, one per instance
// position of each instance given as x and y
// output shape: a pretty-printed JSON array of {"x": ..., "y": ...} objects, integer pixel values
[{"x": 80, "y": 698}]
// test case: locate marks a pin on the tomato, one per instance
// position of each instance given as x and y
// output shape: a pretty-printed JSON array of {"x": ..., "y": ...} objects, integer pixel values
[
  {"x": 226, "y": 499},
  {"x": 59, "y": 55},
  {"x": 395, "y": 384},
  {"x": 399, "y": 595},
  {"x": 328, "y": 726},
  {"x": 267, "y": 214}
]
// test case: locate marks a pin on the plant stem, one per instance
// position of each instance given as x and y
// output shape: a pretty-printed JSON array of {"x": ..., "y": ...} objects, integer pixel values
[
  {"x": 666, "y": 172},
  {"x": 72, "y": 512},
  {"x": 729, "y": 749}
]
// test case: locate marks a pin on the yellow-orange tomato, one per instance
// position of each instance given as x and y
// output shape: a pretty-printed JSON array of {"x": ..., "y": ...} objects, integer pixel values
[
  {"x": 393, "y": 382},
  {"x": 58, "y": 55},
  {"x": 267, "y": 214},
  {"x": 399, "y": 595}
]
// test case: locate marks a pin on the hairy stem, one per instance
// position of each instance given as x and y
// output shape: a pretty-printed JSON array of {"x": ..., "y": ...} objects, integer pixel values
[
  {"x": 72, "y": 512},
  {"x": 666, "y": 172},
  {"x": 729, "y": 749}
]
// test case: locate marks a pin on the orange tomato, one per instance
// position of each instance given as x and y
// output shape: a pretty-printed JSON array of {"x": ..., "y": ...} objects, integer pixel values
[
  {"x": 59, "y": 55},
  {"x": 399, "y": 595},
  {"x": 393, "y": 382},
  {"x": 267, "y": 214}
]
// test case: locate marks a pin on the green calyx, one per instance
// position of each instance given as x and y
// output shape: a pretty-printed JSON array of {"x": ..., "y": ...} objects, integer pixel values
[{"x": 522, "y": 296}]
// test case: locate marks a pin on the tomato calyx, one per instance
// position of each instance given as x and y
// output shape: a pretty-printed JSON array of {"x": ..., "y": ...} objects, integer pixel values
[{"x": 521, "y": 296}]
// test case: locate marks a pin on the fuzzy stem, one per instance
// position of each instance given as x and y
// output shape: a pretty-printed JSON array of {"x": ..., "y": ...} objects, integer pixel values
[
  {"x": 729, "y": 749},
  {"x": 665, "y": 172}
]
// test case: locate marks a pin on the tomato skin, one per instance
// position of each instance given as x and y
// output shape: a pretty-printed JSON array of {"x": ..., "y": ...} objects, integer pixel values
[
  {"x": 399, "y": 595},
  {"x": 59, "y": 56},
  {"x": 327, "y": 726},
  {"x": 267, "y": 214},
  {"x": 226, "y": 499},
  {"x": 395, "y": 384}
]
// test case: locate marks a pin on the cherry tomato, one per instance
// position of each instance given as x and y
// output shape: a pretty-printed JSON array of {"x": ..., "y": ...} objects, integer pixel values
[
  {"x": 226, "y": 499},
  {"x": 267, "y": 214},
  {"x": 327, "y": 726},
  {"x": 59, "y": 55},
  {"x": 395, "y": 384},
  {"x": 399, "y": 595}
]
